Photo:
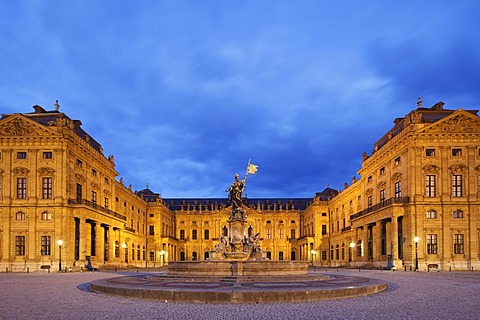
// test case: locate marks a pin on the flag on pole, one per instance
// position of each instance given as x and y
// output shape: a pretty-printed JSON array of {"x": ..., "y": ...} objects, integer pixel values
[{"x": 252, "y": 169}]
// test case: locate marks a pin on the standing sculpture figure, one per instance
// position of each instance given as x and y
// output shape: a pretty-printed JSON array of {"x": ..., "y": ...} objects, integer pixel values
[{"x": 235, "y": 193}]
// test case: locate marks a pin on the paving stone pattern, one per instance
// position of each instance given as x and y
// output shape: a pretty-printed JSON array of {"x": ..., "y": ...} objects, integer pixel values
[{"x": 410, "y": 295}]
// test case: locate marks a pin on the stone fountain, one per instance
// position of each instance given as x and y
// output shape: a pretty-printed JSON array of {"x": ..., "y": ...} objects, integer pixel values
[{"x": 238, "y": 253}]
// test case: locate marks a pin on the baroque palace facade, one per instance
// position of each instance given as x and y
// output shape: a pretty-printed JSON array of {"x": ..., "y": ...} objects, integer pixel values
[{"x": 416, "y": 203}]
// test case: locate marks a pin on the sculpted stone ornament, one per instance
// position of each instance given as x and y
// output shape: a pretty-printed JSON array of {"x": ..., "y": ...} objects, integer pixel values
[{"x": 235, "y": 194}]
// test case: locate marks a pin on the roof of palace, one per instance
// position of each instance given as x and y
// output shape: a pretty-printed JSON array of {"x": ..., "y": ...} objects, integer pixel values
[{"x": 49, "y": 118}]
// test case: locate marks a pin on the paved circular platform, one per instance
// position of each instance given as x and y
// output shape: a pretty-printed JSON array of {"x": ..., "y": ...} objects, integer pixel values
[{"x": 303, "y": 288}]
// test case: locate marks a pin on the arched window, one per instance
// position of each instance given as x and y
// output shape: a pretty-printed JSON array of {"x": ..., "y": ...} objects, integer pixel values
[
  {"x": 431, "y": 214},
  {"x": 20, "y": 215},
  {"x": 46, "y": 215},
  {"x": 458, "y": 214}
]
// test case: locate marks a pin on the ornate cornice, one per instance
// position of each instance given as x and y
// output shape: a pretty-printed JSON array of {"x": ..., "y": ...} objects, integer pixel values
[
  {"x": 381, "y": 185},
  {"x": 430, "y": 168},
  {"x": 396, "y": 176},
  {"x": 458, "y": 168},
  {"x": 80, "y": 177},
  {"x": 46, "y": 171},
  {"x": 20, "y": 171}
]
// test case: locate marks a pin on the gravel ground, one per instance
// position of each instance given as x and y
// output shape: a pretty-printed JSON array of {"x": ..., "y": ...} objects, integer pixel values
[{"x": 410, "y": 295}]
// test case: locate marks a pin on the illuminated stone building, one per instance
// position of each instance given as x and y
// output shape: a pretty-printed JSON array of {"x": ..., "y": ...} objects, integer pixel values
[{"x": 421, "y": 182}]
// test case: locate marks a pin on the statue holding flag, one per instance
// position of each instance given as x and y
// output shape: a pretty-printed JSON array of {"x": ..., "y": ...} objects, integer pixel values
[{"x": 235, "y": 193}]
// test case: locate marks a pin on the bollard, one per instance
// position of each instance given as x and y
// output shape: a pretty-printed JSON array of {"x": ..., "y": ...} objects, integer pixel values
[
  {"x": 450, "y": 268},
  {"x": 7, "y": 270},
  {"x": 405, "y": 268},
  {"x": 472, "y": 269},
  {"x": 28, "y": 269},
  {"x": 359, "y": 269}
]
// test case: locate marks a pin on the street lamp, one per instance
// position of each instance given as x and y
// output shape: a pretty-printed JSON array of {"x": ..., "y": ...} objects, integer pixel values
[
  {"x": 124, "y": 246},
  {"x": 351, "y": 245},
  {"x": 162, "y": 253},
  {"x": 60, "y": 242},
  {"x": 313, "y": 254},
  {"x": 416, "y": 239}
]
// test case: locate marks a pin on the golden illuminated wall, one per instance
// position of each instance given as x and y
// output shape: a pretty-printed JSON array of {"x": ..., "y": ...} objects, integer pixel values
[{"x": 421, "y": 179}]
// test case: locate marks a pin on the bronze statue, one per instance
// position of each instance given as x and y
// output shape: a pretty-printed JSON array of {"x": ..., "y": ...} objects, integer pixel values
[{"x": 235, "y": 193}]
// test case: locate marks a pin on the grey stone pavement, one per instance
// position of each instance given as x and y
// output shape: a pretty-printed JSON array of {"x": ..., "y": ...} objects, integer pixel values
[{"x": 410, "y": 295}]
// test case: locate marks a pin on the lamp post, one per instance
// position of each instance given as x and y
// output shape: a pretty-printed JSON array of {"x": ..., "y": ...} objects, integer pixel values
[
  {"x": 60, "y": 242},
  {"x": 124, "y": 246},
  {"x": 162, "y": 253},
  {"x": 416, "y": 239},
  {"x": 351, "y": 245}
]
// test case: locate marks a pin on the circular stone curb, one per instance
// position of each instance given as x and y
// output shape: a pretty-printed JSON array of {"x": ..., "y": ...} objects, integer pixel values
[{"x": 228, "y": 290}]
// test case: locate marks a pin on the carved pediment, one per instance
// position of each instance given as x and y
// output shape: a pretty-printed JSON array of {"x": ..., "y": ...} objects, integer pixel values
[
  {"x": 46, "y": 171},
  {"x": 20, "y": 171},
  {"x": 369, "y": 192},
  {"x": 430, "y": 168},
  {"x": 106, "y": 192},
  {"x": 95, "y": 185},
  {"x": 20, "y": 126},
  {"x": 80, "y": 177},
  {"x": 381, "y": 185},
  {"x": 396, "y": 176},
  {"x": 458, "y": 123},
  {"x": 458, "y": 168}
]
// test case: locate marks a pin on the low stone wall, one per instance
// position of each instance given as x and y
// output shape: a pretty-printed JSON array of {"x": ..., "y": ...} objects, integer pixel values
[{"x": 237, "y": 268}]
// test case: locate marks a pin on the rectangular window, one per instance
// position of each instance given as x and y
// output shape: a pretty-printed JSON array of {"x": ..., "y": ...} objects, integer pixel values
[
  {"x": 431, "y": 244},
  {"x": 369, "y": 201},
  {"x": 94, "y": 197},
  {"x": 458, "y": 244},
  {"x": 79, "y": 192},
  {"x": 194, "y": 234},
  {"x": 48, "y": 155},
  {"x": 151, "y": 230},
  {"x": 182, "y": 234},
  {"x": 269, "y": 233},
  {"x": 46, "y": 216},
  {"x": 370, "y": 179},
  {"x": 324, "y": 229},
  {"x": 292, "y": 233},
  {"x": 398, "y": 189},
  {"x": 397, "y": 161},
  {"x": 22, "y": 155},
  {"x": 20, "y": 245},
  {"x": 280, "y": 233},
  {"x": 21, "y": 188},
  {"x": 456, "y": 152},
  {"x": 45, "y": 246},
  {"x": 94, "y": 172},
  {"x": 456, "y": 185},
  {"x": 382, "y": 171},
  {"x": 324, "y": 254},
  {"x": 106, "y": 203},
  {"x": 79, "y": 163},
  {"x": 47, "y": 188},
  {"x": 430, "y": 152},
  {"x": 382, "y": 195},
  {"x": 107, "y": 181},
  {"x": 430, "y": 187},
  {"x": 206, "y": 234}
]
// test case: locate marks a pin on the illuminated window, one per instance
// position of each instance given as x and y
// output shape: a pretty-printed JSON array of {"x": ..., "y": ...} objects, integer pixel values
[
  {"x": 269, "y": 233},
  {"x": 398, "y": 189},
  {"x": 382, "y": 195},
  {"x": 456, "y": 185},
  {"x": 458, "y": 242},
  {"x": 46, "y": 215},
  {"x": 431, "y": 244},
  {"x": 47, "y": 188},
  {"x": 382, "y": 171},
  {"x": 458, "y": 214},
  {"x": 20, "y": 245},
  {"x": 430, "y": 187},
  {"x": 431, "y": 214},
  {"x": 21, "y": 188},
  {"x": 20, "y": 216},
  {"x": 280, "y": 233},
  {"x": 45, "y": 246}
]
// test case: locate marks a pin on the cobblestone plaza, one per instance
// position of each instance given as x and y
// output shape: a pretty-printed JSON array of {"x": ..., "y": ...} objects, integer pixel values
[{"x": 410, "y": 295}]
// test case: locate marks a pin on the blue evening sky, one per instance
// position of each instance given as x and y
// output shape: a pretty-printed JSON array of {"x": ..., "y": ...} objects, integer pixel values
[{"x": 183, "y": 93}]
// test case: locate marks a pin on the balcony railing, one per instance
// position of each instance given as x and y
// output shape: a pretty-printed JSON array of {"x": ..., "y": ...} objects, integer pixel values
[
  {"x": 346, "y": 229},
  {"x": 383, "y": 204},
  {"x": 97, "y": 207}
]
